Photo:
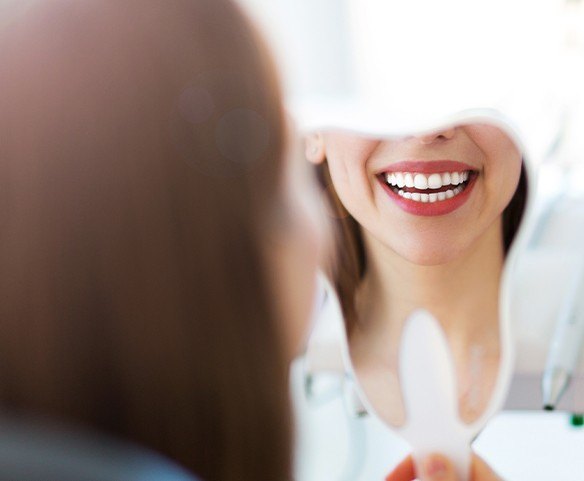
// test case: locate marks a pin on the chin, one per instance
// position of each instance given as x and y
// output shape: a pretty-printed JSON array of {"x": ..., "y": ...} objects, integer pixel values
[{"x": 428, "y": 253}]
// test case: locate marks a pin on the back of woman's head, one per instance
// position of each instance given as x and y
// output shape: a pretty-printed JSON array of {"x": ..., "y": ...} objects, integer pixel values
[{"x": 140, "y": 152}]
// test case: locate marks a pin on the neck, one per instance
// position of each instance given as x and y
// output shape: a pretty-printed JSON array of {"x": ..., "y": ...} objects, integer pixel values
[{"x": 462, "y": 293}]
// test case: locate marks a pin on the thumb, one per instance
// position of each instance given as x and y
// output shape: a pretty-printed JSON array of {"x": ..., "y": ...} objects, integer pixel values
[{"x": 438, "y": 468}]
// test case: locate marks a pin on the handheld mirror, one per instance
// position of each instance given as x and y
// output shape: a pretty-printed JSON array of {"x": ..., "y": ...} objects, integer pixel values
[{"x": 423, "y": 224}]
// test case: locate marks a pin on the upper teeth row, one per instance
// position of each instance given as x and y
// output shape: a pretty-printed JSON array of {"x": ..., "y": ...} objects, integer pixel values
[{"x": 422, "y": 181}]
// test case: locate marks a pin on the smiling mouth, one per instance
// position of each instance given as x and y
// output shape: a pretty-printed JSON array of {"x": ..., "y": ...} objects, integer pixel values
[{"x": 428, "y": 188}]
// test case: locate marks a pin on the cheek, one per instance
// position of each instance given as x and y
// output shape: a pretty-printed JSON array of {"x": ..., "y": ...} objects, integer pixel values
[
  {"x": 352, "y": 185},
  {"x": 347, "y": 162},
  {"x": 342, "y": 169},
  {"x": 503, "y": 160},
  {"x": 511, "y": 185},
  {"x": 502, "y": 168},
  {"x": 503, "y": 179}
]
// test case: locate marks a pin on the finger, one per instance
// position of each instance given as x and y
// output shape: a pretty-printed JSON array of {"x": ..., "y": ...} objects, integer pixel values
[
  {"x": 403, "y": 472},
  {"x": 438, "y": 468}
]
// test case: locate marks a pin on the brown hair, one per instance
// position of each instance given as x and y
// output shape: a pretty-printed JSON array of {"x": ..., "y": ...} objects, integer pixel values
[
  {"x": 347, "y": 266},
  {"x": 141, "y": 145}
]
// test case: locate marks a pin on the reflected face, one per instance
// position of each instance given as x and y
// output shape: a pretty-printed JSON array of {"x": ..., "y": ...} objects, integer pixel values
[{"x": 426, "y": 197}]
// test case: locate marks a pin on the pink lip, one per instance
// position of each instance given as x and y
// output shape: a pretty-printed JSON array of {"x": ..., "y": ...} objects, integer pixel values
[
  {"x": 427, "y": 167},
  {"x": 426, "y": 208}
]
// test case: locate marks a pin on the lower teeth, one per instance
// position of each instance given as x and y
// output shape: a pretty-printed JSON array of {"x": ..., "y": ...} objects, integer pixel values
[{"x": 434, "y": 197}]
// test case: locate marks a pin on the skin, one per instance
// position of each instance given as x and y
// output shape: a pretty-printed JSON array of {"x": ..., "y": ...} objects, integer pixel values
[
  {"x": 450, "y": 265},
  {"x": 439, "y": 468}
]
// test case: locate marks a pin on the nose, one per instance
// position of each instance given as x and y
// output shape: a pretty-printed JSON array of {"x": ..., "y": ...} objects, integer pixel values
[{"x": 430, "y": 138}]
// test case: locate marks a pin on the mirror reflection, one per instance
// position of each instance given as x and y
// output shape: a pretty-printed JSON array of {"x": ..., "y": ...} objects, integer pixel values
[{"x": 422, "y": 221}]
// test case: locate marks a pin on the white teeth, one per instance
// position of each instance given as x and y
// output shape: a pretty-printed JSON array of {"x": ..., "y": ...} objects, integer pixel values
[
  {"x": 420, "y": 181},
  {"x": 399, "y": 178},
  {"x": 409, "y": 179},
  {"x": 435, "y": 181}
]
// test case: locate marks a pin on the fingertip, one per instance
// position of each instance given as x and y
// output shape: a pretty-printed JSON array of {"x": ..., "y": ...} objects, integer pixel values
[
  {"x": 404, "y": 471},
  {"x": 436, "y": 466}
]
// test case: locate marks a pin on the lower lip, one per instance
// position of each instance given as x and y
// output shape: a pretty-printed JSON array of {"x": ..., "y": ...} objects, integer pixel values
[{"x": 441, "y": 207}]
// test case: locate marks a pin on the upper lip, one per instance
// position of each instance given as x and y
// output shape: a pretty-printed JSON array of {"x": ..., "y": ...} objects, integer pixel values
[{"x": 427, "y": 166}]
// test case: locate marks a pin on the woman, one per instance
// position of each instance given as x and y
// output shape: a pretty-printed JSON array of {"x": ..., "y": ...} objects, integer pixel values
[
  {"x": 150, "y": 230},
  {"x": 400, "y": 250},
  {"x": 422, "y": 221}
]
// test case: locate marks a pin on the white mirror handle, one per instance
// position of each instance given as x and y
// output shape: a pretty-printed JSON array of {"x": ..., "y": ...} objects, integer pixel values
[{"x": 428, "y": 380}]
